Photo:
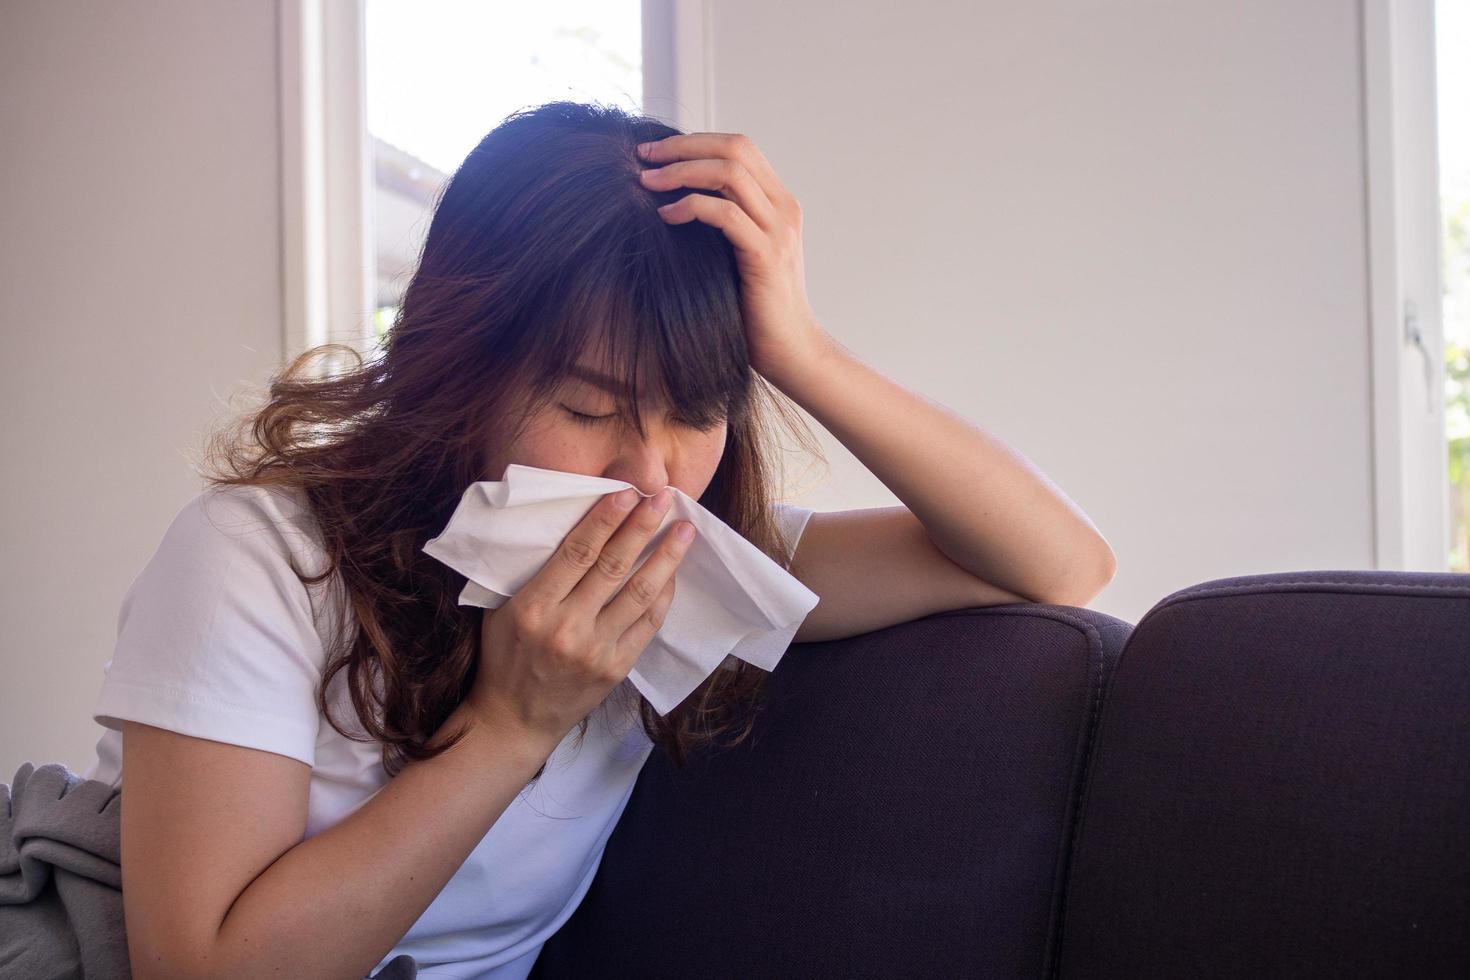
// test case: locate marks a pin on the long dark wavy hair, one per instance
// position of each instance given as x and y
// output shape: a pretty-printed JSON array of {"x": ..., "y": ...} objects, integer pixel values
[{"x": 542, "y": 244}]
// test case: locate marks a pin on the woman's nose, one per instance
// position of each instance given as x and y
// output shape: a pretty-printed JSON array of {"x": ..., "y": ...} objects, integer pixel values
[
  {"x": 646, "y": 487},
  {"x": 643, "y": 463},
  {"x": 648, "y": 479}
]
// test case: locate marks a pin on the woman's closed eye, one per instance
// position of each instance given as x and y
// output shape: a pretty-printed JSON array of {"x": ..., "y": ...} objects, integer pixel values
[{"x": 591, "y": 420}]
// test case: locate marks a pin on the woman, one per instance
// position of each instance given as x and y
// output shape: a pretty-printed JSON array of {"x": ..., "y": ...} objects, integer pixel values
[{"x": 327, "y": 758}]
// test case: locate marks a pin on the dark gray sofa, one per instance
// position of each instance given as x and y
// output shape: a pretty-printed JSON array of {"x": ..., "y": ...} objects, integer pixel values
[{"x": 1268, "y": 777}]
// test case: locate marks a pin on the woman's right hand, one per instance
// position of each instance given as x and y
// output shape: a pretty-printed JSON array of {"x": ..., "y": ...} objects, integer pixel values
[{"x": 557, "y": 648}]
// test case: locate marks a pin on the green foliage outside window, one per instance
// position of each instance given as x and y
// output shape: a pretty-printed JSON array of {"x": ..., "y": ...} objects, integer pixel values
[{"x": 1456, "y": 273}]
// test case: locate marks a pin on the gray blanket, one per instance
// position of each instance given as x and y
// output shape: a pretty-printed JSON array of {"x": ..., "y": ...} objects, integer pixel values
[{"x": 61, "y": 910}]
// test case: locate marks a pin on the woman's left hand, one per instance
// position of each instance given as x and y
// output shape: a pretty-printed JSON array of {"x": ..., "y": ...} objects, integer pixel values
[{"x": 761, "y": 219}]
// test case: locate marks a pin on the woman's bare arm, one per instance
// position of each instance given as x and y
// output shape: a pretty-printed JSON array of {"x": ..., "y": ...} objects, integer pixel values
[{"x": 217, "y": 881}]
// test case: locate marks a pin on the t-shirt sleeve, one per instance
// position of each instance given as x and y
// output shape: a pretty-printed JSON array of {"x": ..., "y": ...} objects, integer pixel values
[{"x": 216, "y": 637}]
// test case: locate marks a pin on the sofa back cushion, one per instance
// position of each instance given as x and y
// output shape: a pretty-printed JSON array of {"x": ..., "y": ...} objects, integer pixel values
[
  {"x": 1281, "y": 785},
  {"x": 901, "y": 809}
]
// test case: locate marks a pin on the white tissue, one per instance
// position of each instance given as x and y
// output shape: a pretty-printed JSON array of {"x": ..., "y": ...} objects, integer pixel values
[{"x": 730, "y": 599}]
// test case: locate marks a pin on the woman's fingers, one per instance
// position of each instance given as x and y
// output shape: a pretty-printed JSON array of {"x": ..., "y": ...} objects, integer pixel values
[
  {"x": 627, "y": 619},
  {"x": 728, "y": 177},
  {"x": 598, "y": 560},
  {"x": 635, "y": 638},
  {"x": 620, "y": 555},
  {"x": 581, "y": 549},
  {"x": 731, "y": 146}
]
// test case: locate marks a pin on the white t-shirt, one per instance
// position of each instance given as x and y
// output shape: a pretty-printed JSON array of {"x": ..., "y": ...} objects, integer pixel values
[{"x": 217, "y": 638}]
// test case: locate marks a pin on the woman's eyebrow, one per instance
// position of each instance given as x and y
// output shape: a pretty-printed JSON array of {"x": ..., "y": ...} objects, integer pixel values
[
  {"x": 604, "y": 381},
  {"x": 607, "y": 382}
]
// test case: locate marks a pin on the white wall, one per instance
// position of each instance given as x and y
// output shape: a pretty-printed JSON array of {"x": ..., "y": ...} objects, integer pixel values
[
  {"x": 1127, "y": 237},
  {"x": 141, "y": 267}
]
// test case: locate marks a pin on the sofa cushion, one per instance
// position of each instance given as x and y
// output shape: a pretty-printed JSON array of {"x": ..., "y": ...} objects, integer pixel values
[
  {"x": 1281, "y": 785},
  {"x": 900, "y": 810}
]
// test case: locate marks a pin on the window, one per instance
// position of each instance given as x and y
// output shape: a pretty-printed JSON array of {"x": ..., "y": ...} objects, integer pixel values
[
  {"x": 440, "y": 75},
  {"x": 1452, "y": 59},
  {"x": 1409, "y": 64}
]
